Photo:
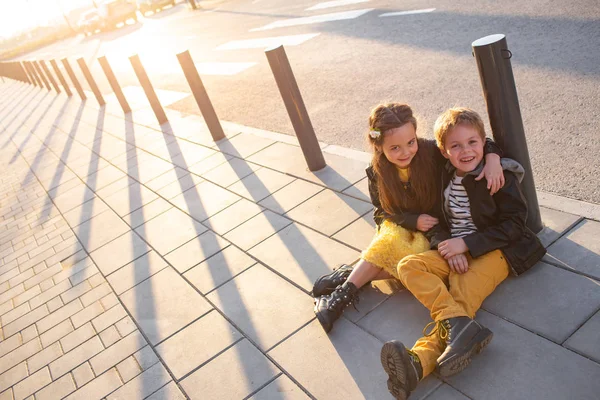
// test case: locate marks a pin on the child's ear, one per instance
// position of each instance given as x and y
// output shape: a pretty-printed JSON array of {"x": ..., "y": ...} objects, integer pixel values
[{"x": 444, "y": 153}]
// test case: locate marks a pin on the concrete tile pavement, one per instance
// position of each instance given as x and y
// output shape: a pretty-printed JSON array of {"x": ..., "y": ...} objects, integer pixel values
[{"x": 140, "y": 261}]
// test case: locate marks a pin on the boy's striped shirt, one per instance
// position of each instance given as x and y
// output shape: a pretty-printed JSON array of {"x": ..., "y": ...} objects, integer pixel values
[{"x": 458, "y": 209}]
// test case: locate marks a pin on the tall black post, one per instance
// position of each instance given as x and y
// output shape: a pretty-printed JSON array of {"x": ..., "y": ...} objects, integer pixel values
[{"x": 499, "y": 90}]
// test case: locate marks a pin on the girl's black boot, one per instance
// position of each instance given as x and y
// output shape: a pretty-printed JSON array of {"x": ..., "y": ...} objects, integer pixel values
[
  {"x": 327, "y": 283},
  {"x": 330, "y": 307}
]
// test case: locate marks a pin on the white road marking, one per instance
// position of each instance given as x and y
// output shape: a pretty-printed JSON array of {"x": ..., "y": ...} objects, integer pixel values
[
  {"x": 336, "y": 3},
  {"x": 223, "y": 68},
  {"x": 393, "y": 14},
  {"x": 314, "y": 19},
  {"x": 265, "y": 43}
]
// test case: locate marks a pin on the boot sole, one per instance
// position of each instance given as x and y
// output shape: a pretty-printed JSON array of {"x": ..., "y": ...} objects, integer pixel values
[
  {"x": 459, "y": 362},
  {"x": 326, "y": 327},
  {"x": 391, "y": 359}
]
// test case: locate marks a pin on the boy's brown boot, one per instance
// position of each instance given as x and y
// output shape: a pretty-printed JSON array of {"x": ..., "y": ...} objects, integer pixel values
[
  {"x": 326, "y": 284},
  {"x": 403, "y": 368},
  {"x": 463, "y": 336}
]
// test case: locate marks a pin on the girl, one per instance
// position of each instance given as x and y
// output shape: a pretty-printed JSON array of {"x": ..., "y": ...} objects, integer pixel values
[{"x": 403, "y": 190}]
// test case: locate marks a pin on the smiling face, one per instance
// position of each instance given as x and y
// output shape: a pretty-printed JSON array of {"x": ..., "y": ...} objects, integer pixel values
[
  {"x": 463, "y": 146},
  {"x": 400, "y": 145}
]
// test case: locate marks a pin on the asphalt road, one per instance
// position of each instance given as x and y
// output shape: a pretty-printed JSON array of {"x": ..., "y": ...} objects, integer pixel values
[{"x": 346, "y": 66}]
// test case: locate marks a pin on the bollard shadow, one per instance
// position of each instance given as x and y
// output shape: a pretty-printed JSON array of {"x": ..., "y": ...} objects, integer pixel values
[
  {"x": 17, "y": 114},
  {"x": 528, "y": 37}
]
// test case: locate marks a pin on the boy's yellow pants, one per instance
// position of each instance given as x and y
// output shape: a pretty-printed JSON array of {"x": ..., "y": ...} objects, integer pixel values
[{"x": 447, "y": 294}]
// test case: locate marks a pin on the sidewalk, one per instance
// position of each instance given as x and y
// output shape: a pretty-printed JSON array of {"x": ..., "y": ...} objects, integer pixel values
[{"x": 146, "y": 262}]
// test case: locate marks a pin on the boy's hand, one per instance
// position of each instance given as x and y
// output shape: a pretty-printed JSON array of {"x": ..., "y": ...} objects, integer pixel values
[
  {"x": 425, "y": 222},
  {"x": 493, "y": 173},
  {"x": 459, "y": 263},
  {"x": 452, "y": 247}
]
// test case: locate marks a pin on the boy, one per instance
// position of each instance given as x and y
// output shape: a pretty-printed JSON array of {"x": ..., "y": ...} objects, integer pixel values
[{"x": 479, "y": 239}]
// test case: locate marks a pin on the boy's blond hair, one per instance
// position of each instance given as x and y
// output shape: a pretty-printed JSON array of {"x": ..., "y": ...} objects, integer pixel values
[{"x": 453, "y": 117}]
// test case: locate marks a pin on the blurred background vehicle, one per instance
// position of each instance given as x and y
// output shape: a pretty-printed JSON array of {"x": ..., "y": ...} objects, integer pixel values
[
  {"x": 90, "y": 22},
  {"x": 114, "y": 12},
  {"x": 153, "y": 5}
]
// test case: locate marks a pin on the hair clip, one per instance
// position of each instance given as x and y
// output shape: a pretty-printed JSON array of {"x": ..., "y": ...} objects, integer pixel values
[{"x": 375, "y": 133}]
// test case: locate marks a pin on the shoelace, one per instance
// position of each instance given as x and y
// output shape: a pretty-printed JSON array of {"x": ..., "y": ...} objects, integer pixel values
[
  {"x": 354, "y": 300},
  {"x": 441, "y": 327}
]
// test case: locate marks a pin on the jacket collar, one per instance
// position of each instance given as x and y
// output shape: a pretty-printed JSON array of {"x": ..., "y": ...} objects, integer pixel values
[{"x": 508, "y": 164}]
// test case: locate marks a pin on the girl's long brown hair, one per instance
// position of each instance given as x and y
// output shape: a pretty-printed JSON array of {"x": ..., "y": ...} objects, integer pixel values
[{"x": 423, "y": 174}]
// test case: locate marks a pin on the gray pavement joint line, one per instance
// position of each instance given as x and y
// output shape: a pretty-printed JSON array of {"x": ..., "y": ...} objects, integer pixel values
[
  {"x": 213, "y": 357},
  {"x": 581, "y": 325},
  {"x": 264, "y": 385},
  {"x": 566, "y": 231},
  {"x": 387, "y": 298},
  {"x": 229, "y": 279},
  {"x": 350, "y": 223},
  {"x": 112, "y": 289},
  {"x": 565, "y": 267}
]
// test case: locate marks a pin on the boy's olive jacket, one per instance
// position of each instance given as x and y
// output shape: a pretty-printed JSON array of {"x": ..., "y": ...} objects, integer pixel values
[{"x": 500, "y": 219}]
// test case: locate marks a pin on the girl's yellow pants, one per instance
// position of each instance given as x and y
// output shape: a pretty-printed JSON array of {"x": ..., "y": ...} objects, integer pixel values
[{"x": 447, "y": 294}]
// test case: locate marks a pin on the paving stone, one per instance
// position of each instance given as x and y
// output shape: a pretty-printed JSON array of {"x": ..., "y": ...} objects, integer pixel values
[
  {"x": 42, "y": 276},
  {"x": 78, "y": 336},
  {"x": 8, "y": 395},
  {"x": 209, "y": 163},
  {"x": 109, "y": 301},
  {"x": 170, "y": 230},
  {"x": 99, "y": 387},
  {"x": 204, "y": 200},
  {"x": 18, "y": 355},
  {"x": 119, "y": 252},
  {"x": 230, "y": 171},
  {"x": 290, "y": 196},
  {"x": 58, "y": 316},
  {"x": 104, "y": 177},
  {"x": 164, "y": 304},
  {"x": 51, "y": 293},
  {"x": 167, "y": 178},
  {"x": 243, "y": 145},
  {"x": 83, "y": 374},
  {"x": 510, "y": 357},
  {"x": 169, "y": 391},
  {"x": 146, "y": 357},
  {"x": 74, "y": 358},
  {"x": 9, "y": 294},
  {"x": 95, "y": 294},
  {"x": 585, "y": 339},
  {"x": 261, "y": 317},
  {"x": 100, "y": 230},
  {"x": 232, "y": 216},
  {"x": 359, "y": 190},
  {"x": 302, "y": 255},
  {"x": 446, "y": 392},
  {"x": 128, "y": 369},
  {"x": 15, "y": 313},
  {"x": 87, "y": 273},
  {"x": 110, "y": 317},
  {"x": 260, "y": 184},
  {"x": 29, "y": 333},
  {"x": 358, "y": 234},
  {"x": 235, "y": 373},
  {"x": 579, "y": 248},
  {"x": 70, "y": 270},
  {"x": 87, "y": 314},
  {"x": 58, "y": 389},
  {"x": 257, "y": 229},
  {"x": 328, "y": 211},
  {"x": 143, "y": 385},
  {"x": 84, "y": 212},
  {"x": 117, "y": 352},
  {"x": 73, "y": 197},
  {"x": 130, "y": 199},
  {"x": 281, "y": 388},
  {"x": 555, "y": 224},
  {"x": 147, "y": 212},
  {"x": 542, "y": 299},
  {"x": 218, "y": 269},
  {"x": 136, "y": 271},
  {"x": 109, "y": 336},
  {"x": 196, "y": 251},
  {"x": 115, "y": 186},
  {"x": 12, "y": 376},
  {"x": 10, "y": 344},
  {"x": 197, "y": 343},
  {"x": 44, "y": 357},
  {"x": 179, "y": 186},
  {"x": 54, "y": 334}
]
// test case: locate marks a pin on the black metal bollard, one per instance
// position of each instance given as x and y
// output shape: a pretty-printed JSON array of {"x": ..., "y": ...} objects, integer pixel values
[
  {"x": 142, "y": 76},
  {"x": 286, "y": 82},
  {"x": 500, "y": 93},
  {"x": 71, "y": 74},
  {"x": 114, "y": 84},
  {"x": 38, "y": 69},
  {"x": 61, "y": 78},
  {"x": 206, "y": 107},
  {"x": 90, "y": 79},
  {"x": 49, "y": 75}
]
